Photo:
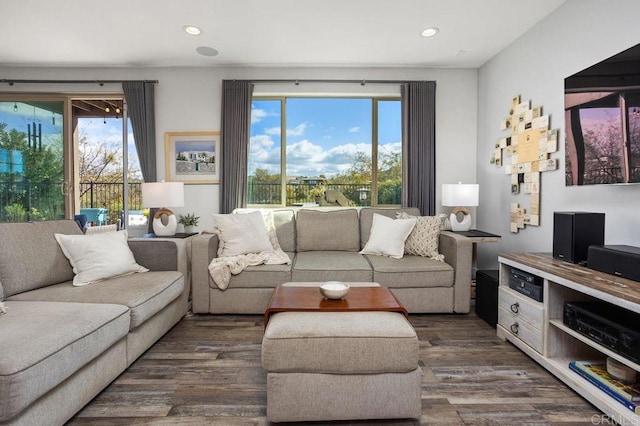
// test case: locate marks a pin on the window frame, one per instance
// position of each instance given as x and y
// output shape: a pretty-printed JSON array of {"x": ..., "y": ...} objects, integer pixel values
[{"x": 283, "y": 140}]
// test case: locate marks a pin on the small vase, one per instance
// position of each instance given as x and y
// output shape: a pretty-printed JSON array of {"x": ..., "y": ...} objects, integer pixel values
[{"x": 188, "y": 229}]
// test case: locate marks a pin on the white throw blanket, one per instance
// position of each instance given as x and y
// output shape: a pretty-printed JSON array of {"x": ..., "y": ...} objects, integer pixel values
[{"x": 221, "y": 268}]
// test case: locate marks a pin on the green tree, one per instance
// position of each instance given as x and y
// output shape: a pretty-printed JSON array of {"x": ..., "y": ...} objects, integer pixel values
[{"x": 34, "y": 184}]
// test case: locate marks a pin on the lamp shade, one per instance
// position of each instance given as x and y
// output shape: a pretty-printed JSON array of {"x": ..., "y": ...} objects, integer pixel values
[
  {"x": 459, "y": 194},
  {"x": 163, "y": 194}
]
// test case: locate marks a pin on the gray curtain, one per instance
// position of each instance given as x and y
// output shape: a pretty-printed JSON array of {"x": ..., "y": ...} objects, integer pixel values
[
  {"x": 419, "y": 146},
  {"x": 235, "y": 129},
  {"x": 140, "y": 98}
]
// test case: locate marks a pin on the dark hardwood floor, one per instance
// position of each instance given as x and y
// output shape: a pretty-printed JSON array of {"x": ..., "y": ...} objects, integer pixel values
[{"x": 207, "y": 371}]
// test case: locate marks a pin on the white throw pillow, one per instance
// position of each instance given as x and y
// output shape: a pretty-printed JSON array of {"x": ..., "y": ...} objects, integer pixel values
[
  {"x": 97, "y": 257},
  {"x": 388, "y": 236},
  {"x": 424, "y": 239},
  {"x": 241, "y": 234}
]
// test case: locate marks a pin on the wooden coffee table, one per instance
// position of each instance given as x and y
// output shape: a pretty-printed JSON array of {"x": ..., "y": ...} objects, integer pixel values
[{"x": 309, "y": 299}]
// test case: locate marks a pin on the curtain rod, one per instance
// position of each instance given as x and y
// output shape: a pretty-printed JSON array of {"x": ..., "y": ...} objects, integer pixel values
[
  {"x": 361, "y": 82},
  {"x": 11, "y": 81}
]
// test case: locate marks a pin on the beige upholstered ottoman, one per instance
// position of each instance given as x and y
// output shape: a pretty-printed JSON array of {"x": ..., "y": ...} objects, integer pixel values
[{"x": 341, "y": 366}]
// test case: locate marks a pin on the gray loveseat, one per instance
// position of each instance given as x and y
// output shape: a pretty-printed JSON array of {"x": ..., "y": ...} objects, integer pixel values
[
  {"x": 323, "y": 246},
  {"x": 60, "y": 345}
]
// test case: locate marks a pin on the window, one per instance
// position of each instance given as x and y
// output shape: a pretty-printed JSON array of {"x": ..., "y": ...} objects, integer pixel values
[
  {"x": 325, "y": 154},
  {"x": 32, "y": 173},
  {"x": 104, "y": 163}
]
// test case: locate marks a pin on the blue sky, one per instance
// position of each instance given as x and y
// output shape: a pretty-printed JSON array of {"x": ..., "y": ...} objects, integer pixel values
[{"x": 322, "y": 133}]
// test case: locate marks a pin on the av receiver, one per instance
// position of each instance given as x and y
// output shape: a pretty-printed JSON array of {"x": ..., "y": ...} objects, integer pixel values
[
  {"x": 528, "y": 284},
  {"x": 613, "y": 327}
]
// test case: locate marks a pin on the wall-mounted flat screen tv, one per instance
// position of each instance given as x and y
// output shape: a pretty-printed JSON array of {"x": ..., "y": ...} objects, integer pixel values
[{"x": 602, "y": 122}]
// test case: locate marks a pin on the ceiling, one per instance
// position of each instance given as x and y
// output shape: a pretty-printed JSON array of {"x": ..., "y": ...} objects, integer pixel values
[{"x": 309, "y": 33}]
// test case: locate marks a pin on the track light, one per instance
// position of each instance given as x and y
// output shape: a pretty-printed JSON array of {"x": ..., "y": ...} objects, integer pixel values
[
  {"x": 15, "y": 107},
  {"x": 117, "y": 110},
  {"x": 107, "y": 109}
]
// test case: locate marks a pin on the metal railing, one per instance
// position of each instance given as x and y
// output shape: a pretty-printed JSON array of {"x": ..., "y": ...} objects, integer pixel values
[
  {"x": 22, "y": 201},
  {"x": 359, "y": 194},
  {"x": 110, "y": 195},
  {"x": 27, "y": 200}
]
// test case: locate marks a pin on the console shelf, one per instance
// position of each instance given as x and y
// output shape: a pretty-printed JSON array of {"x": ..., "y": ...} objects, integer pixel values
[{"x": 538, "y": 330}]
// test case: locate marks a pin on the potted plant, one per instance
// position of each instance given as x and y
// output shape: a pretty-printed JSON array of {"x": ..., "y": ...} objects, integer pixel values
[
  {"x": 317, "y": 192},
  {"x": 189, "y": 221}
]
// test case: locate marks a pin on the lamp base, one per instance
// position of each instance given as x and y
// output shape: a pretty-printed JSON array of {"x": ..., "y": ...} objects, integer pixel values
[
  {"x": 165, "y": 223},
  {"x": 456, "y": 223}
]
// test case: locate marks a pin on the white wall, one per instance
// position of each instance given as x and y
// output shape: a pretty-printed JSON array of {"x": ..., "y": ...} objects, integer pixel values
[
  {"x": 188, "y": 99},
  {"x": 578, "y": 34}
]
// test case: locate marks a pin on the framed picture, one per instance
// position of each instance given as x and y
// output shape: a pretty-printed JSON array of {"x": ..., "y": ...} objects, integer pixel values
[{"x": 192, "y": 157}]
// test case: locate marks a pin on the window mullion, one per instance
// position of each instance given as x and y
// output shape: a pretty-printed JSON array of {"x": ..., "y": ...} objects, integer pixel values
[{"x": 283, "y": 151}]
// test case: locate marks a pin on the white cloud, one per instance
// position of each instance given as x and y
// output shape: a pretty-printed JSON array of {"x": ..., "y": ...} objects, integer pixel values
[
  {"x": 305, "y": 158},
  {"x": 390, "y": 147},
  {"x": 354, "y": 129},
  {"x": 296, "y": 131},
  {"x": 257, "y": 115}
]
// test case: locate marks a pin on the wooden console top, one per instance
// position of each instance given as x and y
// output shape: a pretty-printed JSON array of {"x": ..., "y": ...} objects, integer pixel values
[
  {"x": 309, "y": 299},
  {"x": 560, "y": 271}
]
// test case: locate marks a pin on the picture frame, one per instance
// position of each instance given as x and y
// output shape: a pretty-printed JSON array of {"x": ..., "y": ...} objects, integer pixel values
[{"x": 192, "y": 157}]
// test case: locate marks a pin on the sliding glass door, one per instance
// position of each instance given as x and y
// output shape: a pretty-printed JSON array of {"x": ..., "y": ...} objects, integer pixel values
[{"x": 35, "y": 161}]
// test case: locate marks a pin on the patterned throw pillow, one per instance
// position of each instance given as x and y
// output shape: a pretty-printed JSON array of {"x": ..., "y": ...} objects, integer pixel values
[{"x": 423, "y": 240}]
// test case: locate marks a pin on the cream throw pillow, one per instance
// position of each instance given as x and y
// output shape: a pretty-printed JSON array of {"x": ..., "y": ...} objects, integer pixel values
[
  {"x": 97, "y": 257},
  {"x": 423, "y": 240},
  {"x": 388, "y": 236},
  {"x": 241, "y": 234}
]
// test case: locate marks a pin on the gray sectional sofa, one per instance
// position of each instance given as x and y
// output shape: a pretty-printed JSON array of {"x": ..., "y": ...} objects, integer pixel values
[
  {"x": 60, "y": 345},
  {"x": 323, "y": 246}
]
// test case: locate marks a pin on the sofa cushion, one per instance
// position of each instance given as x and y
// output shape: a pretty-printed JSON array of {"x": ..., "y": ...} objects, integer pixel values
[
  {"x": 411, "y": 271},
  {"x": 145, "y": 294},
  {"x": 328, "y": 230},
  {"x": 33, "y": 240},
  {"x": 260, "y": 276},
  {"x": 97, "y": 257},
  {"x": 423, "y": 240},
  {"x": 339, "y": 343},
  {"x": 388, "y": 236},
  {"x": 366, "y": 219},
  {"x": 44, "y": 343},
  {"x": 242, "y": 233},
  {"x": 285, "y": 223},
  {"x": 331, "y": 266}
]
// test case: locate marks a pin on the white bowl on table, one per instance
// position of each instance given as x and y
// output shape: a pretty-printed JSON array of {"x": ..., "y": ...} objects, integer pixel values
[{"x": 334, "y": 289}]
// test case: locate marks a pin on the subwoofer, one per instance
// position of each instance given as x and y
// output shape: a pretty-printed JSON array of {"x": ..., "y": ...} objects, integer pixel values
[{"x": 574, "y": 232}]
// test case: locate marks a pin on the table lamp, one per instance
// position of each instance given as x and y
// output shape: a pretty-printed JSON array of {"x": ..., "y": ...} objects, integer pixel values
[
  {"x": 460, "y": 195},
  {"x": 163, "y": 195}
]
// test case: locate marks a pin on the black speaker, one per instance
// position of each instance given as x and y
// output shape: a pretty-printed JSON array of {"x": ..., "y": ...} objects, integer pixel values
[
  {"x": 621, "y": 261},
  {"x": 574, "y": 232},
  {"x": 487, "y": 296}
]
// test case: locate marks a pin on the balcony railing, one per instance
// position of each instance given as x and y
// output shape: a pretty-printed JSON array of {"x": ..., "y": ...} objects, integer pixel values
[
  {"x": 358, "y": 194},
  {"x": 110, "y": 196}
]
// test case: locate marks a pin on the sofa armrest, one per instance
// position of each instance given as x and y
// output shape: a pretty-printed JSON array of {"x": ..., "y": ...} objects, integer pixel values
[
  {"x": 203, "y": 249},
  {"x": 457, "y": 251},
  {"x": 163, "y": 254}
]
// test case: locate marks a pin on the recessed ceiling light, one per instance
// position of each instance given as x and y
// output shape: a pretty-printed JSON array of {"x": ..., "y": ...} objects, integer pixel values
[
  {"x": 207, "y": 51},
  {"x": 191, "y": 30},
  {"x": 430, "y": 32}
]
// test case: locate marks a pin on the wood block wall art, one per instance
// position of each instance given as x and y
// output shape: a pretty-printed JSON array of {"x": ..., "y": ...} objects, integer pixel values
[{"x": 524, "y": 154}]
